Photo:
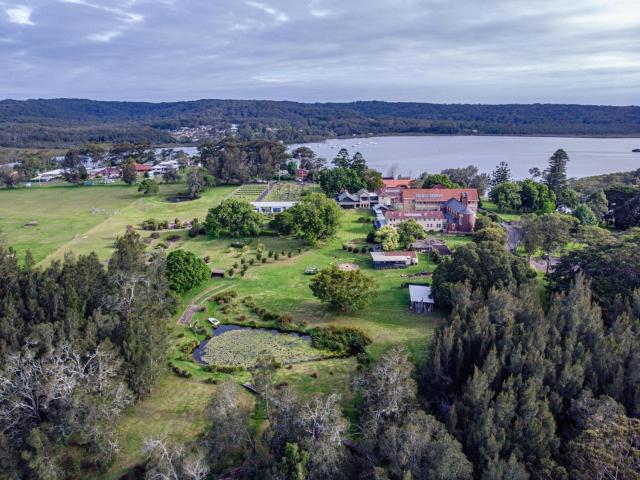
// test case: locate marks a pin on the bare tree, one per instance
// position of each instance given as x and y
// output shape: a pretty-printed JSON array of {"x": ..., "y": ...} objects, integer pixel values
[{"x": 168, "y": 461}]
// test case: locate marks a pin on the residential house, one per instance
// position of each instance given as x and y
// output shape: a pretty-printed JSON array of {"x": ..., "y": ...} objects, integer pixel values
[
  {"x": 421, "y": 299},
  {"x": 360, "y": 199},
  {"x": 142, "y": 168},
  {"x": 48, "y": 175},
  {"x": 163, "y": 167},
  {"x": 397, "y": 259}
]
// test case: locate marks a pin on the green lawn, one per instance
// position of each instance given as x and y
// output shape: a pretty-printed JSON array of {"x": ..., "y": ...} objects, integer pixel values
[
  {"x": 491, "y": 207},
  {"x": 85, "y": 219}
]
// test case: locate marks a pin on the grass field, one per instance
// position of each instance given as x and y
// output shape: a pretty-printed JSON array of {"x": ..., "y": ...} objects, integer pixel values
[
  {"x": 84, "y": 219},
  {"x": 289, "y": 191},
  {"x": 493, "y": 208}
]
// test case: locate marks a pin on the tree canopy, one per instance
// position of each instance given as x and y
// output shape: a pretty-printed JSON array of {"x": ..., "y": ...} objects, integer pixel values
[
  {"x": 185, "y": 270},
  {"x": 314, "y": 218},
  {"x": 234, "y": 218},
  {"x": 343, "y": 290}
]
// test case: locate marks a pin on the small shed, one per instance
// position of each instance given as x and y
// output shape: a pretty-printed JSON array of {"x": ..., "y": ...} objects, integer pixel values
[
  {"x": 217, "y": 273},
  {"x": 421, "y": 299}
]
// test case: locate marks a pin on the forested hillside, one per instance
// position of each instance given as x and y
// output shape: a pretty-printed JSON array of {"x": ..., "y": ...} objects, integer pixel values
[{"x": 62, "y": 122}]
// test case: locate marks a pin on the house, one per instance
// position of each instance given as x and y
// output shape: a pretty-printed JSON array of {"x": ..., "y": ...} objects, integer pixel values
[
  {"x": 421, "y": 299},
  {"x": 429, "y": 220},
  {"x": 105, "y": 172},
  {"x": 272, "y": 207},
  {"x": 141, "y": 168},
  {"x": 163, "y": 167},
  {"x": 360, "y": 199},
  {"x": 48, "y": 176},
  {"x": 397, "y": 259},
  {"x": 301, "y": 174},
  {"x": 391, "y": 191}
]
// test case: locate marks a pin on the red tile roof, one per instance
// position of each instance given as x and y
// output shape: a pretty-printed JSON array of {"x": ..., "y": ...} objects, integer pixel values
[
  {"x": 390, "y": 183},
  {"x": 427, "y": 215},
  {"x": 400, "y": 253},
  {"x": 141, "y": 167},
  {"x": 439, "y": 194}
]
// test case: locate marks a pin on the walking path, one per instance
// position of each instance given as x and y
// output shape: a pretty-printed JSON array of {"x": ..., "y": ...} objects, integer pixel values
[{"x": 195, "y": 302}]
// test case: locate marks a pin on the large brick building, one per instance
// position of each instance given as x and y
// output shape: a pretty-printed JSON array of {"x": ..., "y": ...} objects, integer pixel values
[{"x": 436, "y": 209}]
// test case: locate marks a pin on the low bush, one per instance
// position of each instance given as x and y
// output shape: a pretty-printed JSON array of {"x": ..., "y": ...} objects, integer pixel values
[
  {"x": 344, "y": 340},
  {"x": 180, "y": 372},
  {"x": 150, "y": 224},
  {"x": 174, "y": 238},
  {"x": 225, "y": 297},
  {"x": 155, "y": 235}
]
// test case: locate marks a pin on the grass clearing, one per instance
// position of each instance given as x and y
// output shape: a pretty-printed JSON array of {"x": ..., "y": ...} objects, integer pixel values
[
  {"x": 85, "y": 219},
  {"x": 491, "y": 207}
]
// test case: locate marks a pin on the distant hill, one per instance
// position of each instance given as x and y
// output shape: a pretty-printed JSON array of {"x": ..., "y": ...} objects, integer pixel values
[{"x": 64, "y": 122}]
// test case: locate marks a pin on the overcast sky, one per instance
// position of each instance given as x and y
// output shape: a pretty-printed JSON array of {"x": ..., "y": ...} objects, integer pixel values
[{"x": 477, "y": 51}]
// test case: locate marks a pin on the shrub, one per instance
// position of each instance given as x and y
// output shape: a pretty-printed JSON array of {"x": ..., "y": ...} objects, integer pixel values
[
  {"x": 227, "y": 296},
  {"x": 344, "y": 340},
  {"x": 180, "y": 372},
  {"x": 155, "y": 235},
  {"x": 345, "y": 246},
  {"x": 264, "y": 260},
  {"x": 185, "y": 270},
  {"x": 150, "y": 224},
  {"x": 270, "y": 254},
  {"x": 290, "y": 254},
  {"x": 243, "y": 261},
  {"x": 174, "y": 238},
  {"x": 276, "y": 256},
  {"x": 207, "y": 259},
  {"x": 231, "y": 272},
  {"x": 252, "y": 261}
]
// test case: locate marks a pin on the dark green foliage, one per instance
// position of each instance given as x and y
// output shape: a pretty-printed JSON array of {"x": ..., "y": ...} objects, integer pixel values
[
  {"x": 483, "y": 266},
  {"x": 585, "y": 215},
  {"x": 84, "y": 339},
  {"x": 335, "y": 180},
  {"x": 315, "y": 218},
  {"x": 410, "y": 231},
  {"x": 343, "y": 290},
  {"x": 185, "y": 270},
  {"x": 345, "y": 340},
  {"x": 523, "y": 196},
  {"x": 149, "y": 187},
  {"x": 612, "y": 267},
  {"x": 469, "y": 177},
  {"x": 74, "y": 170},
  {"x": 232, "y": 160},
  {"x": 501, "y": 174},
  {"x": 555, "y": 176},
  {"x": 62, "y": 121},
  {"x": 431, "y": 180},
  {"x": 504, "y": 375},
  {"x": 624, "y": 206},
  {"x": 129, "y": 174},
  {"x": 235, "y": 218}
]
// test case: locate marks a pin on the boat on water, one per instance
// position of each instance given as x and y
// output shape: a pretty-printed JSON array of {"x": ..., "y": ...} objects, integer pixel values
[{"x": 636, "y": 150}]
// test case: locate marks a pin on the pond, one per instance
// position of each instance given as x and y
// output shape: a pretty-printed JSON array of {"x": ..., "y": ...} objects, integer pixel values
[{"x": 237, "y": 345}]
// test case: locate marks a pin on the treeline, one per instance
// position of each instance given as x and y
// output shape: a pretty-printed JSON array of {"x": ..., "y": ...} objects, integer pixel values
[
  {"x": 78, "y": 342},
  {"x": 75, "y": 121}
]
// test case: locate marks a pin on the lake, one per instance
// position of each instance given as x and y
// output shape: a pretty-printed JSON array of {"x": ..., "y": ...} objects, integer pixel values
[{"x": 417, "y": 154}]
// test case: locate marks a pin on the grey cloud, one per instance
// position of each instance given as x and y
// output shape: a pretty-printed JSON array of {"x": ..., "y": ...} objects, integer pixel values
[{"x": 324, "y": 50}]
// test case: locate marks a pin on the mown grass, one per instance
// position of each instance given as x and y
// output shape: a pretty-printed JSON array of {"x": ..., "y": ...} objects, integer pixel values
[
  {"x": 491, "y": 207},
  {"x": 85, "y": 219}
]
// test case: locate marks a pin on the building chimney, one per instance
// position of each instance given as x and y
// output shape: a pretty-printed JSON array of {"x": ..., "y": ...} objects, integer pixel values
[{"x": 463, "y": 199}]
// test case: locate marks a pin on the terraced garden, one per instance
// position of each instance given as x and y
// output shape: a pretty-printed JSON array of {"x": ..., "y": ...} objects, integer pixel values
[
  {"x": 249, "y": 192},
  {"x": 289, "y": 191}
]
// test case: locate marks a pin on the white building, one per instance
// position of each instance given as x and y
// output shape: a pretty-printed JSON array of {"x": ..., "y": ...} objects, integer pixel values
[
  {"x": 163, "y": 167},
  {"x": 429, "y": 220},
  {"x": 272, "y": 207},
  {"x": 48, "y": 176}
]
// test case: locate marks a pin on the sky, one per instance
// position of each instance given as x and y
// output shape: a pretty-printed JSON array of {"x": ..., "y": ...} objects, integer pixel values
[{"x": 443, "y": 51}]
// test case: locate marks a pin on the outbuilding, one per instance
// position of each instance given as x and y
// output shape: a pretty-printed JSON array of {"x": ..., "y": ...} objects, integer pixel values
[{"x": 421, "y": 299}]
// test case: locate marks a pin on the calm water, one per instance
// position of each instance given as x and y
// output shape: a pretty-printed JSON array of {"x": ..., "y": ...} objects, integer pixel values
[{"x": 417, "y": 154}]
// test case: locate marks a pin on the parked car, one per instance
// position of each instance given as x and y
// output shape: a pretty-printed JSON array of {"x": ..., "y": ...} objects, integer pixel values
[{"x": 215, "y": 323}]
